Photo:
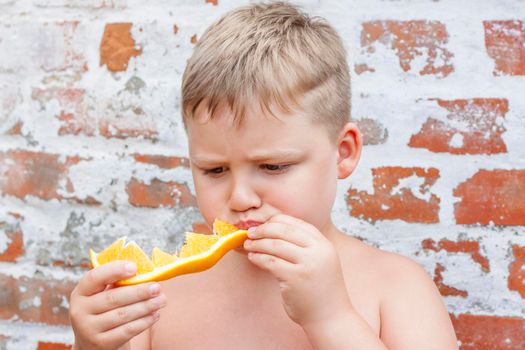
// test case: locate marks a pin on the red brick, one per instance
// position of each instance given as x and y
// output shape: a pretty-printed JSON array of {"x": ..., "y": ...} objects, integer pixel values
[
  {"x": 16, "y": 129},
  {"x": 46, "y": 46},
  {"x": 15, "y": 215},
  {"x": 444, "y": 289},
  {"x": 362, "y": 68},
  {"x": 159, "y": 193},
  {"x": 86, "y": 265},
  {"x": 118, "y": 47},
  {"x": 214, "y": 2},
  {"x": 505, "y": 43},
  {"x": 194, "y": 39},
  {"x": 165, "y": 162},
  {"x": 175, "y": 29},
  {"x": 64, "y": 42},
  {"x": 73, "y": 109},
  {"x": 36, "y": 174},
  {"x": 65, "y": 50},
  {"x": 391, "y": 200},
  {"x": 75, "y": 119},
  {"x": 122, "y": 128},
  {"x": 35, "y": 299},
  {"x": 517, "y": 270},
  {"x": 492, "y": 196},
  {"x": 477, "y": 122},
  {"x": 15, "y": 248},
  {"x": 468, "y": 247},
  {"x": 478, "y": 332},
  {"x": 410, "y": 39},
  {"x": 53, "y": 346}
]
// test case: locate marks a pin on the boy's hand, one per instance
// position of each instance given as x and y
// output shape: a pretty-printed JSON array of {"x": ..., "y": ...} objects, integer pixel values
[
  {"x": 306, "y": 265},
  {"x": 104, "y": 317}
]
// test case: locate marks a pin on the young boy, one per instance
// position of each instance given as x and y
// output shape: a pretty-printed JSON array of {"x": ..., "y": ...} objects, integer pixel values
[{"x": 266, "y": 98}]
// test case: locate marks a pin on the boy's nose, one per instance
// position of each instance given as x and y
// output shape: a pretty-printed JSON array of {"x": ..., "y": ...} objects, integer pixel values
[{"x": 243, "y": 197}]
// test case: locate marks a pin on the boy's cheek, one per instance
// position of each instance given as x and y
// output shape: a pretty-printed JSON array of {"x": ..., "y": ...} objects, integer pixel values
[{"x": 208, "y": 207}]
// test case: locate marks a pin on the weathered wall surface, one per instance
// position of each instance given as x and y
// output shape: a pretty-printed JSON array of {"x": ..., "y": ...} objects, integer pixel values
[{"x": 92, "y": 148}]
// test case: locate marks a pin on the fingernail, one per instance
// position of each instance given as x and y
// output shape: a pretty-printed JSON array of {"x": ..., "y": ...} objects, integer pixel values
[
  {"x": 251, "y": 231},
  {"x": 154, "y": 289},
  {"x": 131, "y": 268}
]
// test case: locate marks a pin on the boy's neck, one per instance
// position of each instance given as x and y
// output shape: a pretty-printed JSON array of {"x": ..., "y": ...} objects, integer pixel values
[{"x": 331, "y": 232}]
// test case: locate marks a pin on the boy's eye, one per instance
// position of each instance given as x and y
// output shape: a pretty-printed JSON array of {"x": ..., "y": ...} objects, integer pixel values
[
  {"x": 275, "y": 168},
  {"x": 214, "y": 171}
]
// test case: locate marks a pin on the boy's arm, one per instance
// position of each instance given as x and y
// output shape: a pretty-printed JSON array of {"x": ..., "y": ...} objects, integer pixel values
[
  {"x": 348, "y": 331},
  {"x": 413, "y": 314},
  {"x": 311, "y": 281}
]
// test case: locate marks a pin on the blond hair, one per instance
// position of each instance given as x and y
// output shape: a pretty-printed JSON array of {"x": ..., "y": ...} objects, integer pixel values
[{"x": 274, "y": 54}]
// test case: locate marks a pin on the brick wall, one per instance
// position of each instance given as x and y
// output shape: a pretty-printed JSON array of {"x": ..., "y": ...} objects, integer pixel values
[{"x": 91, "y": 147}]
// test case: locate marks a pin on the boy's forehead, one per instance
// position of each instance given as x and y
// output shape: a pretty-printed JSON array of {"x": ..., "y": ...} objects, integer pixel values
[
  {"x": 253, "y": 112},
  {"x": 223, "y": 112},
  {"x": 257, "y": 134}
]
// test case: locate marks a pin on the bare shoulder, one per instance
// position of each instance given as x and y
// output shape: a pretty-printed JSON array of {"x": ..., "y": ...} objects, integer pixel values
[
  {"x": 412, "y": 311},
  {"x": 382, "y": 265},
  {"x": 391, "y": 271}
]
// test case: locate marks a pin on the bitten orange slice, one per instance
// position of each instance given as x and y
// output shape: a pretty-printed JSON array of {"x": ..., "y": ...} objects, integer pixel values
[
  {"x": 222, "y": 228},
  {"x": 200, "y": 252},
  {"x": 197, "y": 243}
]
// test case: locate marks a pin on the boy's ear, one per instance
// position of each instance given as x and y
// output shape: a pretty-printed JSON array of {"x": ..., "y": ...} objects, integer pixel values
[{"x": 349, "y": 146}]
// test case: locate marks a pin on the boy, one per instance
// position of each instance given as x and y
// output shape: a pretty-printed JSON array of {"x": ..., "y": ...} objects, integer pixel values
[{"x": 266, "y": 107}]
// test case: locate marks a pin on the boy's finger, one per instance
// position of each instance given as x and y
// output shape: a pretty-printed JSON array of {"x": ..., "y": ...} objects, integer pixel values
[
  {"x": 282, "y": 231},
  {"x": 96, "y": 280},
  {"x": 122, "y": 315},
  {"x": 113, "y": 298},
  {"x": 276, "y": 247},
  {"x": 286, "y": 219},
  {"x": 278, "y": 267},
  {"x": 290, "y": 220},
  {"x": 121, "y": 334}
]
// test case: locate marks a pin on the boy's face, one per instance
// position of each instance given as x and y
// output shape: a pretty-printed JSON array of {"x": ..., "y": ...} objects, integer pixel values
[{"x": 247, "y": 173}]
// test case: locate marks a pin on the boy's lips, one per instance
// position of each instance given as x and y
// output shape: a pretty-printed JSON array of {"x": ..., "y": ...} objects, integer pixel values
[{"x": 244, "y": 225}]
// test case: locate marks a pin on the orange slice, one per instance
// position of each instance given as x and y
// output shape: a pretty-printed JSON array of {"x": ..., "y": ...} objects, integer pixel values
[
  {"x": 132, "y": 252},
  {"x": 111, "y": 252},
  {"x": 200, "y": 252},
  {"x": 118, "y": 250},
  {"x": 222, "y": 228},
  {"x": 197, "y": 243},
  {"x": 161, "y": 258}
]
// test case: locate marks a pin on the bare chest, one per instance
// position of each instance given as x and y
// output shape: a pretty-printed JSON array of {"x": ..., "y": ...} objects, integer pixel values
[
  {"x": 224, "y": 308},
  {"x": 246, "y": 320},
  {"x": 239, "y": 322}
]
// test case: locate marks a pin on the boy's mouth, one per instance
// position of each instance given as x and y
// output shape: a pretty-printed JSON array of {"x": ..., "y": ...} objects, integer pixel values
[{"x": 244, "y": 225}]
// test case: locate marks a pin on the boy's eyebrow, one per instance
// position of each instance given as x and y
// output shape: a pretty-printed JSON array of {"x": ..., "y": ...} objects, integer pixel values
[
  {"x": 256, "y": 156},
  {"x": 283, "y": 153}
]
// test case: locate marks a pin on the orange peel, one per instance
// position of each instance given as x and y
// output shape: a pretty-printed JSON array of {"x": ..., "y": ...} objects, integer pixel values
[{"x": 200, "y": 252}]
